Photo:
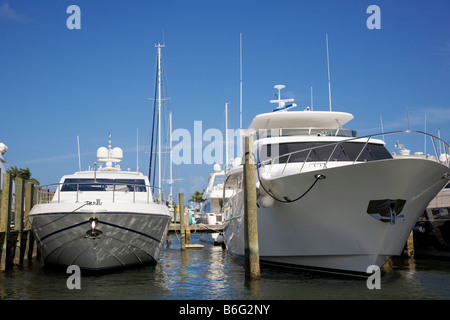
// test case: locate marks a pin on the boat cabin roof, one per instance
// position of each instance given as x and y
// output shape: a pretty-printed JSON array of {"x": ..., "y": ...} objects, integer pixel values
[{"x": 300, "y": 119}]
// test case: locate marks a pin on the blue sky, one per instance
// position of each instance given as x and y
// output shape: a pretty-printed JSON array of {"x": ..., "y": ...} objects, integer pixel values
[{"x": 57, "y": 84}]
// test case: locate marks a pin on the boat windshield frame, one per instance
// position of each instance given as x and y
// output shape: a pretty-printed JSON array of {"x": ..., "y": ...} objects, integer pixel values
[
  {"x": 364, "y": 141},
  {"x": 52, "y": 192},
  {"x": 318, "y": 132}
]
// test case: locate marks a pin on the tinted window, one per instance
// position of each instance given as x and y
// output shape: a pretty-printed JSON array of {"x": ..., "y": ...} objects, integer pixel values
[
  {"x": 104, "y": 185},
  {"x": 321, "y": 151}
]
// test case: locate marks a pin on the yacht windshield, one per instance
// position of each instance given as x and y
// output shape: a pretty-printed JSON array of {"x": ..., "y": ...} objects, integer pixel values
[
  {"x": 137, "y": 185},
  {"x": 324, "y": 151}
]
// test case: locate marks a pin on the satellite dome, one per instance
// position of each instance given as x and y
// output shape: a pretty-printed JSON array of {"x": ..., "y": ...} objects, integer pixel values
[
  {"x": 102, "y": 154},
  {"x": 117, "y": 154}
]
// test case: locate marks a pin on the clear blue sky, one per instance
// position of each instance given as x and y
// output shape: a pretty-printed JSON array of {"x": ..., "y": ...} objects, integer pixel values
[{"x": 57, "y": 84}]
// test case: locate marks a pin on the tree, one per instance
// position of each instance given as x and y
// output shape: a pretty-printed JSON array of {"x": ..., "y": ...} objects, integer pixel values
[
  {"x": 197, "y": 197},
  {"x": 24, "y": 174}
]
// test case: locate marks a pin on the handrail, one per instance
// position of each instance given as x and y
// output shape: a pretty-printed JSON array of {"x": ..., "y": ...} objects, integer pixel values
[
  {"x": 274, "y": 160},
  {"x": 159, "y": 195}
]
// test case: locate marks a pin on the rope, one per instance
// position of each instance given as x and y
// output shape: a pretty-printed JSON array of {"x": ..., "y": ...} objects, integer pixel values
[{"x": 318, "y": 177}]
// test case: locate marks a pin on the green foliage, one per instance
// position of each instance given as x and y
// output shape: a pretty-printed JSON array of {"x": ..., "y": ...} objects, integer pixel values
[
  {"x": 24, "y": 174},
  {"x": 197, "y": 197}
]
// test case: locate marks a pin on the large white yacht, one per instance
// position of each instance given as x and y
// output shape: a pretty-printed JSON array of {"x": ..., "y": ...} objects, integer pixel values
[
  {"x": 101, "y": 219},
  {"x": 327, "y": 200}
]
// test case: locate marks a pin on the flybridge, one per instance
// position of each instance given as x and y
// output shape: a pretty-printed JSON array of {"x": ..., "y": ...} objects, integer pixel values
[{"x": 280, "y": 118}]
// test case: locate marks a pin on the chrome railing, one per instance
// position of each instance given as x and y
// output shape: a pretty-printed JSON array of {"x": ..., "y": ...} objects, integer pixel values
[
  {"x": 54, "y": 192},
  {"x": 363, "y": 140}
]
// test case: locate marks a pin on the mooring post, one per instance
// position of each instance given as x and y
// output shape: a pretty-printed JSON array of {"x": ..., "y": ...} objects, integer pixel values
[
  {"x": 19, "y": 215},
  {"x": 29, "y": 193},
  {"x": 252, "y": 270},
  {"x": 182, "y": 225},
  {"x": 5, "y": 218},
  {"x": 5, "y": 209}
]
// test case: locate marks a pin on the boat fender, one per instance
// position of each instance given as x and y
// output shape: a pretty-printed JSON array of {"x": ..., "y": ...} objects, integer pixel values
[
  {"x": 266, "y": 201},
  {"x": 220, "y": 239}
]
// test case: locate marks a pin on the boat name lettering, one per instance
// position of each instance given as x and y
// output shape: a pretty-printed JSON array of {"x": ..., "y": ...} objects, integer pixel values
[{"x": 97, "y": 202}]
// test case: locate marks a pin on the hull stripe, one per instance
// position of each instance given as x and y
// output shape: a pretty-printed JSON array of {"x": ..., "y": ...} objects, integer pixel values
[{"x": 100, "y": 222}]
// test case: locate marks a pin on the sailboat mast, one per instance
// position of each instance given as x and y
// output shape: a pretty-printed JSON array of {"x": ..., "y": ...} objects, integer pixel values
[
  {"x": 159, "y": 46},
  {"x": 170, "y": 155},
  {"x": 226, "y": 136},
  {"x": 240, "y": 81}
]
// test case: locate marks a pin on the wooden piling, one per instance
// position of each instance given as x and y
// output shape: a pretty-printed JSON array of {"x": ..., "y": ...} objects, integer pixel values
[
  {"x": 6, "y": 202},
  {"x": 19, "y": 216},
  {"x": 18, "y": 233},
  {"x": 252, "y": 268},
  {"x": 182, "y": 223},
  {"x": 5, "y": 222}
]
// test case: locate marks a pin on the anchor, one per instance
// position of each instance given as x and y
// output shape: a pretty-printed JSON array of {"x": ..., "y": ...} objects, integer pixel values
[{"x": 386, "y": 210}]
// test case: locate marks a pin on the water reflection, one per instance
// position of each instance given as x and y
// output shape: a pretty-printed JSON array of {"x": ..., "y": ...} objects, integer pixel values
[{"x": 212, "y": 274}]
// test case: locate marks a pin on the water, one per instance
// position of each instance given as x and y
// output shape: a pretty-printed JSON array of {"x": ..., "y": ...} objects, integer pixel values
[{"x": 211, "y": 274}]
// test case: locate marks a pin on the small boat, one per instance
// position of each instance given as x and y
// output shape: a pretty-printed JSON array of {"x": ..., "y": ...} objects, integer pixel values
[
  {"x": 210, "y": 212},
  {"x": 101, "y": 219},
  {"x": 329, "y": 200}
]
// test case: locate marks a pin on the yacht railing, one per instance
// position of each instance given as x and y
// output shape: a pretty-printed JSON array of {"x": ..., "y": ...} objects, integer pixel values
[
  {"x": 363, "y": 140},
  {"x": 52, "y": 192}
]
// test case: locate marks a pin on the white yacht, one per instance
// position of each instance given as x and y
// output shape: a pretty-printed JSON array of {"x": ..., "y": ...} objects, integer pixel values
[
  {"x": 210, "y": 212},
  {"x": 328, "y": 200},
  {"x": 101, "y": 219}
]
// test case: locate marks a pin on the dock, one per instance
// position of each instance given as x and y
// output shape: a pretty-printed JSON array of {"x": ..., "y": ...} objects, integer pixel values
[{"x": 199, "y": 228}]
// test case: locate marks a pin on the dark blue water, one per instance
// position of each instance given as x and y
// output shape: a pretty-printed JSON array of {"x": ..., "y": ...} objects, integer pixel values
[{"x": 211, "y": 274}]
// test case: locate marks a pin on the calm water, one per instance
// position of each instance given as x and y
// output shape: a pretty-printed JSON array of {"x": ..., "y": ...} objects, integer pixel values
[{"x": 211, "y": 274}]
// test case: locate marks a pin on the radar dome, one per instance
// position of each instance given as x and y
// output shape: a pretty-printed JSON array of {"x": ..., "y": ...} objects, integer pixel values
[
  {"x": 102, "y": 154},
  {"x": 117, "y": 154}
]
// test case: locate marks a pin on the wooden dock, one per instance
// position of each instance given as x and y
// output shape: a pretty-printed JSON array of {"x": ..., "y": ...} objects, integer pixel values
[
  {"x": 199, "y": 228},
  {"x": 17, "y": 197}
]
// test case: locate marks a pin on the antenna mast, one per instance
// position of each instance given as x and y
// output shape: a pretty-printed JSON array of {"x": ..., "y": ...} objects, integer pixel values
[
  {"x": 79, "y": 158},
  {"x": 328, "y": 64}
]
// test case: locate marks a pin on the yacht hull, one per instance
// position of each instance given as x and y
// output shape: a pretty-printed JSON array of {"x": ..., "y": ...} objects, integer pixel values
[
  {"x": 99, "y": 240},
  {"x": 335, "y": 227}
]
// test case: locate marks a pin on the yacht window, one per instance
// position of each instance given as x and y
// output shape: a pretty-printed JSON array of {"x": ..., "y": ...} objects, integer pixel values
[
  {"x": 137, "y": 185},
  {"x": 321, "y": 151},
  {"x": 207, "y": 207}
]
